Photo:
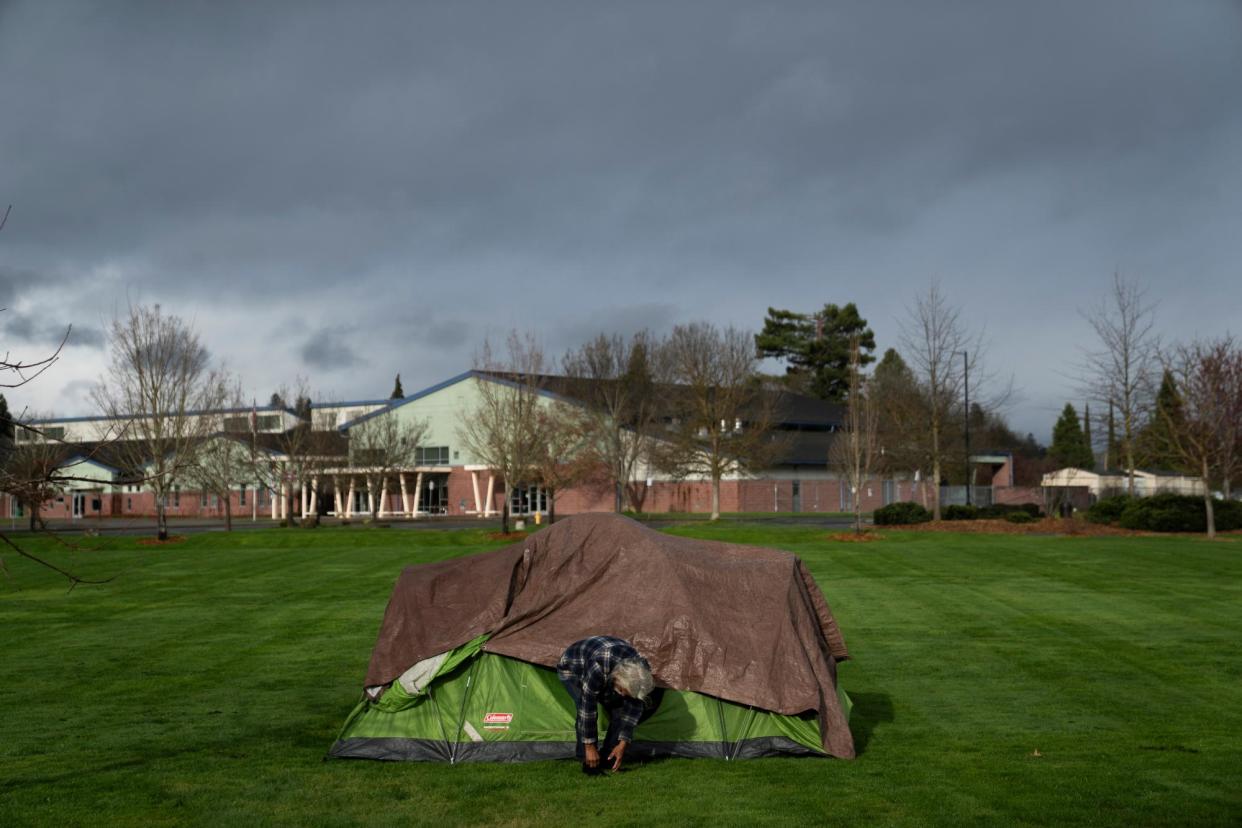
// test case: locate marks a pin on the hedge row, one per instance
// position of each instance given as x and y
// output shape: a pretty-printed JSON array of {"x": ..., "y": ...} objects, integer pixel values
[
  {"x": 906, "y": 512},
  {"x": 1165, "y": 513}
]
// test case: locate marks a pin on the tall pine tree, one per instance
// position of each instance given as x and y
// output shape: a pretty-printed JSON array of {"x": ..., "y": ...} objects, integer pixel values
[
  {"x": 1069, "y": 448},
  {"x": 815, "y": 347},
  {"x": 1155, "y": 445},
  {"x": 1086, "y": 431},
  {"x": 6, "y": 419},
  {"x": 397, "y": 391}
]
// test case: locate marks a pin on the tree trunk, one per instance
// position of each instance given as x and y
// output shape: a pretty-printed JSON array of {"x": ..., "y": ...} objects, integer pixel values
[
  {"x": 228, "y": 512},
  {"x": 857, "y": 513},
  {"x": 935, "y": 481},
  {"x": 551, "y": 506},
  {"x": 161, "y": 518},
  {"x": 504, "y": 514},
  {"x": 715, "y": 497},
  {"x": 1207, "y": 504}
]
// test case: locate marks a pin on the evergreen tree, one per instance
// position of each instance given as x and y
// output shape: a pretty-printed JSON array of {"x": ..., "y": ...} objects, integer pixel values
[
  {"x": 1069, "y": 448},
  {"x": 1155, "y": 446},
  {"x": 6, "y": 419},
  {"x": 276, "y": 400},
  {"x": 816, "y": 347},
  {"x": 1086, "y": 431},
  {"x": 302, "y": 408},
  {"x": 397, "y": 391}
]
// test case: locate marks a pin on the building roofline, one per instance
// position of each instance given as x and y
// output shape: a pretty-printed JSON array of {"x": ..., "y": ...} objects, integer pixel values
[{"x": 246, "y": 409}]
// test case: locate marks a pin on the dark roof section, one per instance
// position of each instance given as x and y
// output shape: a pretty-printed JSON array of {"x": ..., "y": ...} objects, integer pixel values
[{"x": 792, "y": 411}]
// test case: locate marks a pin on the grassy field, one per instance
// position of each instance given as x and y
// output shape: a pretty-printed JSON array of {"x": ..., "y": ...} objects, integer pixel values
[{"x": 997, "y": 680}]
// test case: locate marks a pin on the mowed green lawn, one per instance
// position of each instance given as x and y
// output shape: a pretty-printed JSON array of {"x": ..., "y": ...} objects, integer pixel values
[{"x": 997, "y": 680}]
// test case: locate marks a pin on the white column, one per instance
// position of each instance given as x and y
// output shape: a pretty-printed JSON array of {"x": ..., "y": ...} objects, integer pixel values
[
  {"x": 474, "y": 481},
  {"x": 336, "y": 494},
  {"x": 284, "y": 500},
  {"x": 349, "y": 499},
  {"x": 418, "y": 491},
  {"x": 383, "y": 504},
  {"x": 271, "y": 492},
  {"x": 405, "y": 495},
  {"x": 304, "y": 487},
  {"x": 491, "y": 488},
  {"x": 370, "y": 497},
  {"x": 314, "y": 496}
]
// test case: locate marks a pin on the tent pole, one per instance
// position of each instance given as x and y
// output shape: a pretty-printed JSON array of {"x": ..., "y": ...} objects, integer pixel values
[
  {"x": 465, "y": 699},
  {"x": 440, "y": 721},
  {"x": 724, "y": 734}
]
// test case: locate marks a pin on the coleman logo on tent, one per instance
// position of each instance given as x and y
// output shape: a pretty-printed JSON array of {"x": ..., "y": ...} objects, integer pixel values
[{"x": 492, "y": 719}]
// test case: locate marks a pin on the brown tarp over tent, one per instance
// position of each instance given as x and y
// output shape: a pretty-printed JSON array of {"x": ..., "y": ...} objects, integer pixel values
[{"x": 741, "y": 623}]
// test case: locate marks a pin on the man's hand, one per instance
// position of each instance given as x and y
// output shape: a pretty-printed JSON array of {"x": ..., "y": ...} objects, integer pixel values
[
  {"x": 592, "y": 755},
  {"x": 617, "y": 753}
]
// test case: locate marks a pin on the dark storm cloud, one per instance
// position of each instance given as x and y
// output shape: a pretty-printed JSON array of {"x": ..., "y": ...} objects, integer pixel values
[
  {"x": 26, "y": 328},
  {"x": 445, "y": 171},
  {"x": 328, "y": 349}
]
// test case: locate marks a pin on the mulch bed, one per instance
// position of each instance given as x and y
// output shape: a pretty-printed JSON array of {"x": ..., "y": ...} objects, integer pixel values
[
  {"x": 866, "y": 536},
  {"x": 501, "y": 536},
  {"x": 1043, "y": 526},
  {"x": 157, "y": 542}
]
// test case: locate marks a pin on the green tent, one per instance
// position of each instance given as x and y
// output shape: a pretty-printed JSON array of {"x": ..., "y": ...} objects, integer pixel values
[{"x": 495, "y": 696}]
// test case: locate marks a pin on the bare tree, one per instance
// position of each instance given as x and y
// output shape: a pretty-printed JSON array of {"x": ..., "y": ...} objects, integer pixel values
[
  {"x": 1118, "y": 371},
  {"x": 503, "y": 429},
  {"x": 1205, "y": 435},
  {"x": 382, "y": 446},
  {"x": 902, "y": 416},
  {"x": 158, "y": 388},
  {"x": 934, "y": 339},
  {"x": 562, "y": 459},
  {"x": 617, "y": 382},
  {"x": 221, "y": 462},
  {"x": 293, "y": 461},
  {"x": 33, "y": 472},
  {"x": 721, "y": 415},
  {"x": 856, "y": 452}
]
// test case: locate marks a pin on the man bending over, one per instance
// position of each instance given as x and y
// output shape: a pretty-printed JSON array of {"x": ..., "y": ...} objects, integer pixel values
[{"x": 602, "y": 670}]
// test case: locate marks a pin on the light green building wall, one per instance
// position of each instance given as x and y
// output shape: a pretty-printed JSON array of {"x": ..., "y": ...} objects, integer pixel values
[
  {"x": 445, "y": 411},
  {"x": 87, "y": 474}
]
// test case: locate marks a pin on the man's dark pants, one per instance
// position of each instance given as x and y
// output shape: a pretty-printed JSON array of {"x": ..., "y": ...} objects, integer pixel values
[{"x": 611, "y": 738}]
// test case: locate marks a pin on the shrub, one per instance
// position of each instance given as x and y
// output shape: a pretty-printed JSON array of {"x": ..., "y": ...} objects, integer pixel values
[
  {"x": 1228, "y": 514},
  {"x": 1165, "y": 513},
  {"x": 900, "y": 514},
  {"x": 960, "y": 512},
  {"x": 1108, "y": 509},
  {"x": 1019, "y": 517}
]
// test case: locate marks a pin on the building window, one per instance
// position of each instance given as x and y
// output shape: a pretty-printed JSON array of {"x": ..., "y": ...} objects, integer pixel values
[
  {"x": 176, "y": 497},
  {"x": 237, "y": 425},
  {"x": 241, "y": 495},
  {"x": 129, "y": 504},
  {"x": 431, "y": 456},
  {"x": 202, "y": 500}
]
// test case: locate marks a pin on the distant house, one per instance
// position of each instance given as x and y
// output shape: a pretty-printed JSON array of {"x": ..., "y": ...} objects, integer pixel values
[{"x": 1104, "y": 483}]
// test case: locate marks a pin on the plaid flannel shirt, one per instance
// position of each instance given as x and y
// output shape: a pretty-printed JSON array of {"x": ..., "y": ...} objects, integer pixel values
[{"x": 588, "y": 664}]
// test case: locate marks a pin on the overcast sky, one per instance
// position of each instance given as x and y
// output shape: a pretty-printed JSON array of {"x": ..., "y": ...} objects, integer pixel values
[{"x": 346, "y": 191}]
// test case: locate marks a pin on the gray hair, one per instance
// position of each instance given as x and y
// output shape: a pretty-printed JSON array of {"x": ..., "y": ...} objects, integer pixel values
[{"x": 634, "y": 676}]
